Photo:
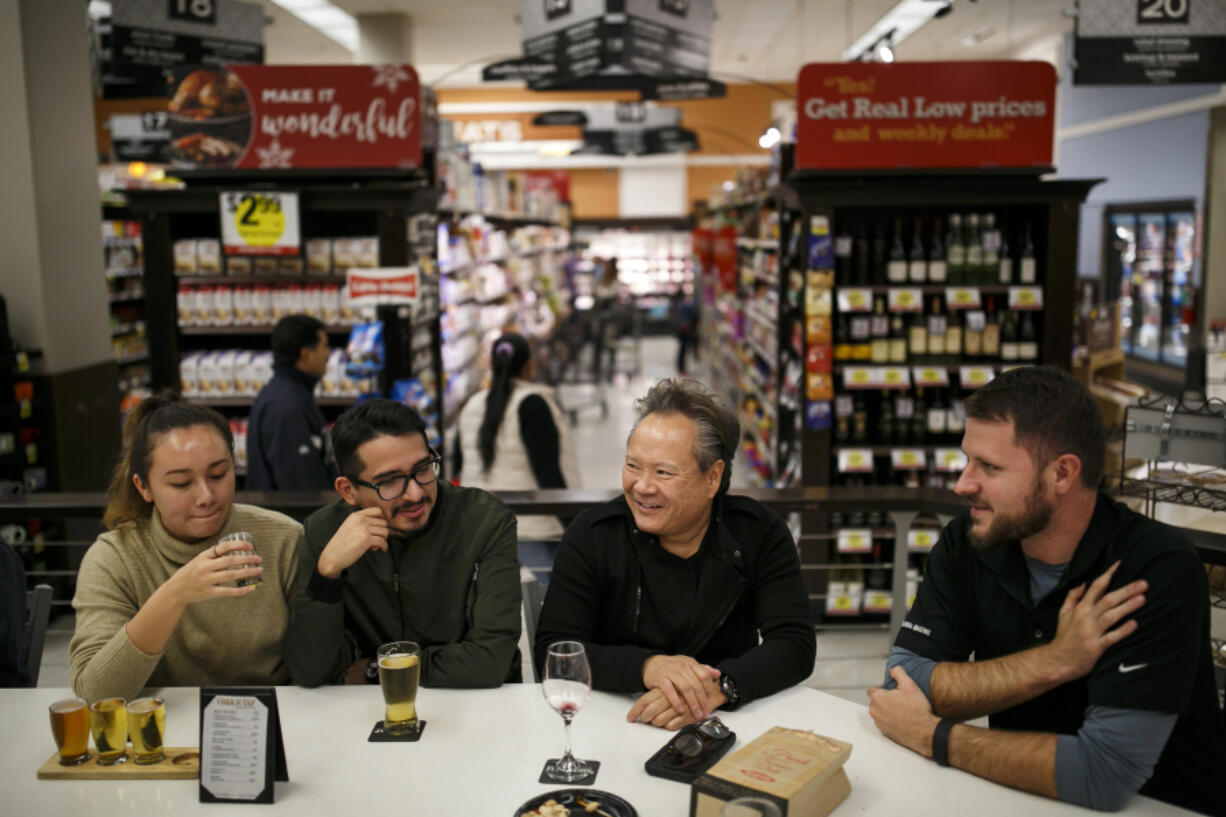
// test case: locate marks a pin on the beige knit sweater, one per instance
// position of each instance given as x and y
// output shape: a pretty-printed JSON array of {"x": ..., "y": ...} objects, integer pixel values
[{"x": 234, "y": 640}]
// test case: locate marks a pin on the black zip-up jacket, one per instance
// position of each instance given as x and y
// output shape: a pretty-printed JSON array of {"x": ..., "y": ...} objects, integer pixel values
[
  {"x": 453, "y": 588},
  {"x": 288, "y": 448},
  {"x": 749, "y": 586}
]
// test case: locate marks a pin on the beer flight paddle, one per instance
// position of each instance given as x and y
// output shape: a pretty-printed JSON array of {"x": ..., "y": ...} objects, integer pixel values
[{"x": 242, "y": 753}]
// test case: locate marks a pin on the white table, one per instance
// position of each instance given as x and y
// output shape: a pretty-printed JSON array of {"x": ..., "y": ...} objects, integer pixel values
[{"x": 481, "y": 756}]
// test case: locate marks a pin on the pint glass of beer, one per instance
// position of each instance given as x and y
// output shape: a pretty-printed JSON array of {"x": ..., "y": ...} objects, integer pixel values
[
  {"x": 108, "y": 721},
  {"x": 399, "y": 673},
  {"x": 146, "y": 727},
  {"x": 242, "y": 536},
  {"x": 70, "y": 726}
]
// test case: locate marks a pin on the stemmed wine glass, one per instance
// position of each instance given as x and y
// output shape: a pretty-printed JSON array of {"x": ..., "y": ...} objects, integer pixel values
[{"x": 567, "y": 686}]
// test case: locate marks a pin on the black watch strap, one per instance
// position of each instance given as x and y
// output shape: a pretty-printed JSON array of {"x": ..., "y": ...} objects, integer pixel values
[{"x": 940, "y": 742}]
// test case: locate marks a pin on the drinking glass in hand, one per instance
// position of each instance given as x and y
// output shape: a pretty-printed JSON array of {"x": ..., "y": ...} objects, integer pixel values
[
  {"x": 70, "y": 726},
  {"x": 567, "y": 686},
  {"x": 399, "y": 675},
  {"x": 108, "y": 720},
  {"x": 242, "y": 536},
  {"x": 147, "y": 728}
]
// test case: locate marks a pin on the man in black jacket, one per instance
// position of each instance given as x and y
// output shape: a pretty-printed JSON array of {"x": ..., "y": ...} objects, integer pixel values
[
  {"x": 676, "y": 588},
  {"x": 287, "y": 438}
]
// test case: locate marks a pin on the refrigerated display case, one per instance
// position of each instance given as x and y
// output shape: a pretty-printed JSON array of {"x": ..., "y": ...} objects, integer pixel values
[{"x": 1152, "y": 269}]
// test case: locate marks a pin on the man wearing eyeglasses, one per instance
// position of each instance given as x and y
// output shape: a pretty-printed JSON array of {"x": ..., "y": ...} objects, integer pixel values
[{"x": 402, "y": 555}]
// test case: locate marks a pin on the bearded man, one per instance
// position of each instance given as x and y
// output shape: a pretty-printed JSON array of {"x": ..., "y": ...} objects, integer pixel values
[{"x": 1088, "y": 623}]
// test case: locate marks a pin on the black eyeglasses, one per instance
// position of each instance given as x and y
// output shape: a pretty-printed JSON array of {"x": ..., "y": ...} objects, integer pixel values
[
  {"x": 691, "y": 741},
  {"x": 394, "y": 487}
]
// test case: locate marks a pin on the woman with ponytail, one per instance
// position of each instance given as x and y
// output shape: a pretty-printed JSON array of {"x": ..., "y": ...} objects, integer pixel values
[
  {"x": 156, "y": 600},
  {"x": 511, "y": 436}
]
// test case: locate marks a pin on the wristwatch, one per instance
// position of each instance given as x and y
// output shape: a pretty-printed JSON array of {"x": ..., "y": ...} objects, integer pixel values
[{"x": 728, "y": 687}]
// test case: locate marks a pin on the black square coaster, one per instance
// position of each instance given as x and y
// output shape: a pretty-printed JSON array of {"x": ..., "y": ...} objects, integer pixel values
[
  {"x": 583, "y": 781},
  {"x": 381, "y": 735}
]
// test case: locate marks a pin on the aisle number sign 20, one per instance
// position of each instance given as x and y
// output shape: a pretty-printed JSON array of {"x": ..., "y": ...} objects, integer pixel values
[{"x": 260, "y": 223}]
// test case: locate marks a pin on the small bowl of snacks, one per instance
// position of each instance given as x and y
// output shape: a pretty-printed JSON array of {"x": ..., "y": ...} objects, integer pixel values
[{"x": 576, "y": 803}]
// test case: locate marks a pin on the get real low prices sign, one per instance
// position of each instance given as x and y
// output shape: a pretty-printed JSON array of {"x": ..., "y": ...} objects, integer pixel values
[
  {"x": 866, "y": 116},
  {"x": 383, "y": 286},
  {"x": 265, "y": 117}
]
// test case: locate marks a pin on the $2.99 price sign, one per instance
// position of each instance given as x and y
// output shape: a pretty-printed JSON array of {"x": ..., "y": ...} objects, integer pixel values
[{"x": 260, "y": 223}]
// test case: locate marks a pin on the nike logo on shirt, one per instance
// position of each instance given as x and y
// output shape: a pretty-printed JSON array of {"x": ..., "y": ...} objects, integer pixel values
[{"x": 1126, "y": 668}]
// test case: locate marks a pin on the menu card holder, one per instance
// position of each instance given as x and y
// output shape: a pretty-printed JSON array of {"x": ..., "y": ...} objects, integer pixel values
[{"x": 242, "y": 752}]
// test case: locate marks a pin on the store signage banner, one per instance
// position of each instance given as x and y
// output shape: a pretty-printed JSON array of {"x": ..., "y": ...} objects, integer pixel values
[
  {"x": 260, "y": 223},
  {"x": 937, "y": 115},
  {"x": 263, "y": 117},
  {"x": 383, "y": 286},
  {"x": 1149, "y": 42},
  {"x": 627, "y": 129},
  {"x": 661, "y": 48},
  {"x": 140, "y": 137}
]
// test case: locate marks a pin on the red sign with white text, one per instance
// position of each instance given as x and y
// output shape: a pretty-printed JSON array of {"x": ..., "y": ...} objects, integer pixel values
[
  {"x": 879, "y": 116},
  {"x": 263, "y": 117},
  {"x": 382, "y": 286}
]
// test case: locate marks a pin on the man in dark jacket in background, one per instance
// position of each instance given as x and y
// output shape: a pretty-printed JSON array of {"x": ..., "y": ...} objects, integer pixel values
[
  {"x": 287, "y": 438},
  {"x": 670, "y": 585}
]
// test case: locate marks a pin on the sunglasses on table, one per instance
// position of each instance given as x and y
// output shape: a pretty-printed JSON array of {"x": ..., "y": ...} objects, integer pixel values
[{"x": 394, "y": 487}]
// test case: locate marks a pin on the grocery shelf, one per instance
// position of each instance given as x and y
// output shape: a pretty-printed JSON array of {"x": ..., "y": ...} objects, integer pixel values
[
  {"x": 244, "y": 280},
  {"x": 332, "y": 329}
]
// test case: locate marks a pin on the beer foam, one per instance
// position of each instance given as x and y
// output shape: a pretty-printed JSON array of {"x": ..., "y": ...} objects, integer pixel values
[
  {"x": 144, "y": 705},
  {"x": 398, "y": 660},
  {"x": 64, "y": 707}
]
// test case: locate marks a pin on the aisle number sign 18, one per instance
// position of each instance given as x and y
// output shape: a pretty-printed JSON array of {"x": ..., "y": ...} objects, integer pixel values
[{"x": 260, "y": 223}]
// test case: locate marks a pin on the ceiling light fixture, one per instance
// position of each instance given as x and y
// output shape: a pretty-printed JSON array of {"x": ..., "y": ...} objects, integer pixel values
[
  {"x": 769, "y": 138},
  {"x": 897, "y": 24},
  {"x": 326, "y": 18}
]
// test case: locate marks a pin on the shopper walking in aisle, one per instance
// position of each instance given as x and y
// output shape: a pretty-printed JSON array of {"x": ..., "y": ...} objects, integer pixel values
[
  {"x": 1089, "y": 623},
  {"x": 687, "y": 330},
  {"x": 512, "y": 437},
  {"x": 403, "y": 555},
  {"x": 676, "y": 587},
  {"x": 288, "y": 448},
  {"x": 157, "y": 602}
]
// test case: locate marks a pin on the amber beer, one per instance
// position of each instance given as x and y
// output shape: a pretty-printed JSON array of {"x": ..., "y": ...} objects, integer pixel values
[
  {"x": 399, "y": 674},
  {"x": 147, "y": 728},
  {"x": 108, "y": 721},
  {"x": 70, "y": 726}
]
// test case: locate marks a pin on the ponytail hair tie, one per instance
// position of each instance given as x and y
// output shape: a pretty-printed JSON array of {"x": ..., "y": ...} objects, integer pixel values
[{"x": 504, "y": 348}]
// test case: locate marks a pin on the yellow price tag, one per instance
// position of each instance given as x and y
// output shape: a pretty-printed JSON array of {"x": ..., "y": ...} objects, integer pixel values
[
  {"x": 951, "y": 457},
  {"x": 855, "y": 460},
  {"x": 859, "y": 376},
  {"x": 842, "y": 603},
  {"x": 893, "y": 375},
  {"x": 923, "y": 540},
  {"x": 259, "y": 220},
  {"x": 1025, "y": 297},
  {"x": 856, "y": 541},
  {"x": 855, "y": 298},
  {"x": 906, "y": 298},
  {"x": 977, "y": 376},
  {"x": 909, "y": 458},
  {"x": 963, "y": 297},
  {"x": 930, "y": 375}
]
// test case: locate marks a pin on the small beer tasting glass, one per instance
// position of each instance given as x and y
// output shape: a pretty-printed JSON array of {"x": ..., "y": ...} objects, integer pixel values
[
  {"x": 147, "y": 729},
  {"x": 108, "y": 721},
  {"x": 242, "y": 536},
  {"x": 70, "y": 727},
  {"x": 399, "y": 676},
  {"x": 567, "y": 687}
]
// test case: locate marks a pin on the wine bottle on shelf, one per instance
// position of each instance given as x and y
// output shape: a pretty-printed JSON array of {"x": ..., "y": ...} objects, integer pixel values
[
  {"x": 936, "y": 417},
  {"x": 1005, "y": 276},
  {"x": 842, "y": 338},
  {"x": 917, "y": 337},
  {"x": 937, "y": 272},
  {"x": 1027, "y": 266},
  {"x": 859, "y": 421},
  {"x": 974, "y": 250},
  {"x": 861, "y": 338},
  {"x": 1028, "y": 341},
  {"x": 842, "y": 258},
  {"x": 898, "y": 339},
  {"x": 880, "y": 332},
  {"x": 919, "y": 418},
  {"x": 955, "y": 251},
  {"x": 991, "y": 333},
  {"x": 1009, "y": 338},
  {"x": 917, "y": 262},
  {"x": 991, "y": 250},
  {"x": 953, "y": 333},
  {"x": 862, "y": 257},
  {"x": 877, "y": 580},
  {"x": 886, "y": 426},
  {"x": 844, "y": 406},
  {"x": 955, "y": 418},
  {"x": 880, "y": 255},
  {"x": 972, "y": 335},
  {"x": 904, "y": 417},
  {"x": 896, "y": 268},
  {"x": 936, "y": 328}
]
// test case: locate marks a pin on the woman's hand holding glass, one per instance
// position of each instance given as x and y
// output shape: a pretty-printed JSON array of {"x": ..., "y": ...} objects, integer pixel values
[{"x": 212, "y": 573}]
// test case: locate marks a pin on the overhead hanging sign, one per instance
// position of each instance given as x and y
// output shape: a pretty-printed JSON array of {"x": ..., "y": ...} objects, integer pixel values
[
  {"x": 626, "y": 129},
  {"x": 925, "y": 115},
  {"x": 278, "y": 117},
  {"x": 660, "y": 48},
  {"x": 1149, "y": 42},
  {"x": 145, "y": 37},
  {"x": 140, "y": 137}
]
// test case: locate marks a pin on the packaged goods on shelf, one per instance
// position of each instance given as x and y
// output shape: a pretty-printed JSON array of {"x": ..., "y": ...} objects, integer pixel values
[
  {"x": 208, "y": 256},
  {"x": 235, "y": 373},
  {"x": 238, "y": 430},
  {"x": 319, "y": 256},
  {"x": 185, "y": 256},
  {"x": 261, "y": 305}
]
